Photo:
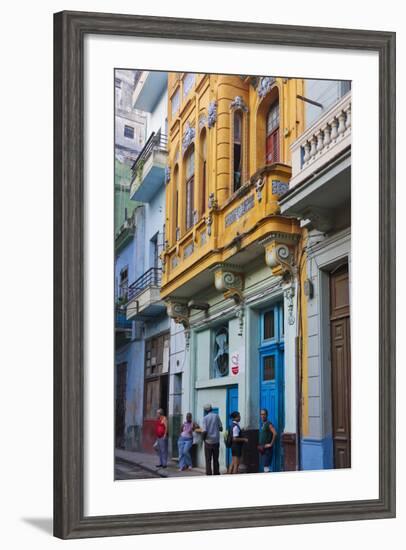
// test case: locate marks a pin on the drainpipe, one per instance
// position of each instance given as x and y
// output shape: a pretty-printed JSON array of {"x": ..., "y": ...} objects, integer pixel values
[
  {"x": 299, "y": 400},
  {"x": 298, "y": 361}
]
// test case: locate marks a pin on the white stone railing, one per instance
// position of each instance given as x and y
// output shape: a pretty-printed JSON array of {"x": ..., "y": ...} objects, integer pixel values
[{"x": 324, "y": 139}]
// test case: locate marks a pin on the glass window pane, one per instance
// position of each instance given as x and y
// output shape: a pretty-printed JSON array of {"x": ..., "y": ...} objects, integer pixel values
[
  {"x": 282, "y": 331},
  {"x": 273, "y": 118},
  {"x": 269, "y": 324},
  {"x": 269, "y": 368},
  {"x": 220, "y": 352},
  {"x": 175, "y": 102},
  {"x": 190, "y": 164},
  {"x": 129, "y": 132},
  {"x": 237, "y": 127},
  {"x": 188, "y": 83}
]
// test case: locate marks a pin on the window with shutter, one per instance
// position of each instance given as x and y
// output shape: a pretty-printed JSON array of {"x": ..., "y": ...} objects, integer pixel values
[{"x": 272, "y": 134}]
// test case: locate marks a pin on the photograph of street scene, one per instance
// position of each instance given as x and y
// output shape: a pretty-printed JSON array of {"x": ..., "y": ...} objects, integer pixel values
[{"x": 232, "y": 274}]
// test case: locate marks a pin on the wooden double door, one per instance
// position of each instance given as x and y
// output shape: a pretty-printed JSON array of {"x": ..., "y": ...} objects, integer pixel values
[{"x": 340, "y": 365}]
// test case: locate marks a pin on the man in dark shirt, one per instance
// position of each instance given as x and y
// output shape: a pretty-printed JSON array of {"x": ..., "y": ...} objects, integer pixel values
[{"x": 267, "y": 437}]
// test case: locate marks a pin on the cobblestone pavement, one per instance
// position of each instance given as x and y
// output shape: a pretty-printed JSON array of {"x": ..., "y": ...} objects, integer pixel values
[{"x": 124, "y": 470}]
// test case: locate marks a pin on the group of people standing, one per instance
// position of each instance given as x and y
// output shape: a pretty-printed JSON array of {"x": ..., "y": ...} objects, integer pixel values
[{"x": 210, "y": 433}]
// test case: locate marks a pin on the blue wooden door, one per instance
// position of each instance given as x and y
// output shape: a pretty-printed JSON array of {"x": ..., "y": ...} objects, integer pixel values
[
  {"x": 271, "y": 363},
  {"x": 232, "y": 405}
]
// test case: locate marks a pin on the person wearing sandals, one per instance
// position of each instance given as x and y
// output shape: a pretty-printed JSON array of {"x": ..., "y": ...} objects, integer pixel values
[
  {"x": 237, "y": 443},
  {"x": 185, "y": 442}
]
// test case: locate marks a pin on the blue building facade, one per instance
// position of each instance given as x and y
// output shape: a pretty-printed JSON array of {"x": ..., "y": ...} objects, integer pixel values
[{"x": 144, "y": 306}]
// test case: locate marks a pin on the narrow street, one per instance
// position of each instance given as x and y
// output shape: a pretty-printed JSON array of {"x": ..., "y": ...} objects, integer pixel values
[{"x": 125, "y": 470}]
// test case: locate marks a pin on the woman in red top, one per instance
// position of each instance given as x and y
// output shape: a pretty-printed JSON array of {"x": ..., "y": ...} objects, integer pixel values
[{"x": 161, "y": 444}]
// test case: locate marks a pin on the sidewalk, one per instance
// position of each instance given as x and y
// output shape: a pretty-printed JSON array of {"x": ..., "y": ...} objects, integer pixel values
[{"x": 148, "y": 461}]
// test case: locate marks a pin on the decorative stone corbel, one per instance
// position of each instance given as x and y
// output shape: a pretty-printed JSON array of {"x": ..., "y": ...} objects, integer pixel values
[
  {"x": 229, "y": 281},
  {"x": 179, "y": 312},
  {"x": 279, "y": 254}
]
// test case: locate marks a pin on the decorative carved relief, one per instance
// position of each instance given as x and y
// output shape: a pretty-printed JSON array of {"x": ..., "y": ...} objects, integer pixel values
[
  {"x": 177, "y": 233},
  {"x": 265, "y": 85},
  {"x": 246, "y": 205},
  {"x": 209, "y": 221},
  {"x": 259, "y": 184},
  {"x": 167, "y": 174},
  {"x": 238, "y": 103},
  {"x": 212, "y": 202},
  {"x": 202, "y": 121},
  {"x": 188, "y": 136},
  {"x": 212, "y": 113},
  {"x": 195, "y": 217},
  {"x": 279, "y": 188},
  {"x": 162, "y": 257},
  {"x": 175, "y": 262},
  {"x": 289, "y": 294},
  {"x": 240, "y": 316}
]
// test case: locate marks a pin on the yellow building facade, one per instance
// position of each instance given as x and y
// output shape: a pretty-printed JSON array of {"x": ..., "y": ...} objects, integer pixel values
[
  {"x": 255, "y": 178},
  {"x": 232, "y": 203},
  {"x": 229, "y": 253}
]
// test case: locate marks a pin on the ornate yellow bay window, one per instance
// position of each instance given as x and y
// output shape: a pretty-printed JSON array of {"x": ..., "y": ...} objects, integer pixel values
[{"x": 229, "y": 162}]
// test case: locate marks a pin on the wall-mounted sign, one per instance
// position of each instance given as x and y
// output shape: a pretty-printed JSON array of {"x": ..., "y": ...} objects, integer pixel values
[{"x": 235, "y": 363}]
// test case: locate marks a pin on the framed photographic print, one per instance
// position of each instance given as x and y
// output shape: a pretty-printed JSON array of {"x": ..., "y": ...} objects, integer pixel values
[{"x": 224, "y": 275}]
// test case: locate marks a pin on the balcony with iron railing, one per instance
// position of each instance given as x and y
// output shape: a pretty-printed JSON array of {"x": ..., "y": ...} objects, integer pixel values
[
  {"x": 124, "y": 233},
  {"x": 144, "y": 295},
  {"x": 121, "y": 321},
  {"x": 148, "y": 171}
]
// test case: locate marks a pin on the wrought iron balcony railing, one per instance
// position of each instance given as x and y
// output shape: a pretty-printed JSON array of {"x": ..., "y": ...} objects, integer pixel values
[
  {"x": 156, "y": 142},
  {"x": 121, "y": 321},
  {"x": 151, "y": 278}
]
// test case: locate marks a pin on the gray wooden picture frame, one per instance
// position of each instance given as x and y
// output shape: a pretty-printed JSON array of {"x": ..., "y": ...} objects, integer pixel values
[{"x": 70, "y": 29}]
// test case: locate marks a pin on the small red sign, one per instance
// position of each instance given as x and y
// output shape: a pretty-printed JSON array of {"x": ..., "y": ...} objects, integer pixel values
[{"x": 235, "y": 364}]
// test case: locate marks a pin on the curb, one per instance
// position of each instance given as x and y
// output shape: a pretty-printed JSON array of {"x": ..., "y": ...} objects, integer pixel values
[{"x": 146, "y": 468}]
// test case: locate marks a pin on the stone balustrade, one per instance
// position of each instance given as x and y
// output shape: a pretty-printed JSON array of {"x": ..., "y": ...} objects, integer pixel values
[{"x": 322, "y": 141}]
